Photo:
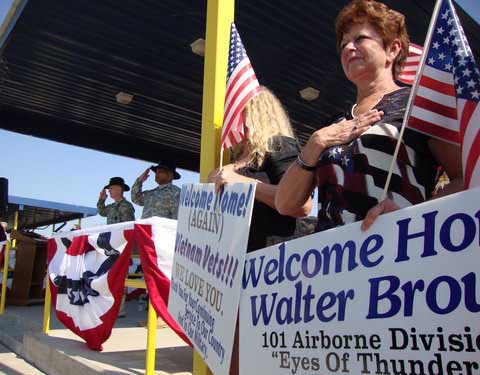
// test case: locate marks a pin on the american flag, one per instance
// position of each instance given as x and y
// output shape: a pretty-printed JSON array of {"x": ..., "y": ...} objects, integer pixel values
[
  {"x": 242, "y": 85},
  {"x": 446, "y": 102},
  {"x": 411, "y": 64}
]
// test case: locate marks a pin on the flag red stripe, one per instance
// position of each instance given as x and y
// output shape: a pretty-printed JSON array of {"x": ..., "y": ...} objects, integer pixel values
[
  {"x": 472, "y": 159},
  {"x": 158, "y": 284},
  {"x": 240, "y": 108},
  {"x": 474, "y": 151},
  {"x": 236, "y": 76},
  {"x": 410, "y": 73},
  {"x": 235, "y": 127},
  {"x": 239, "y": 90},
  {"x": 228, "y": 138},
  {"x": 411, "y": 63},
  {"x": 441, "y": 87},
  {"x": 434, "y": 129},
  {"x": 231, "y": 139},
  {"x": 435, "y": 107},
  {"x": 232, "y": 125},
  {"x": 236, "y": 134},
  {"x": 467, "y": 114}
]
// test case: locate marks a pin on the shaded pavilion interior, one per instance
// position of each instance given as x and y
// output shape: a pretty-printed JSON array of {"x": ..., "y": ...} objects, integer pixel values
[{"x": 63, "y": 62}]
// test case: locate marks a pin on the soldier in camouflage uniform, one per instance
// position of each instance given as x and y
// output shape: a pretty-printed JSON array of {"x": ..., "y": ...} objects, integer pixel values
[
  {"x": 117, "y": 212},
  {"x": 164, "y": 199},
  {"x": 120, "y": 210}
]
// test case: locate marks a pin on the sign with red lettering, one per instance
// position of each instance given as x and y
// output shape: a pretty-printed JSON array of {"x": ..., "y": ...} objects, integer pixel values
[{"x": 210, "y": 247}]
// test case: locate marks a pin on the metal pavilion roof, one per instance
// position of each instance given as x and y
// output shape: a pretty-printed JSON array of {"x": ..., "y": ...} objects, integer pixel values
[
  {"x": 35, "y": 213},
  {"x": 64, "y": 62}
]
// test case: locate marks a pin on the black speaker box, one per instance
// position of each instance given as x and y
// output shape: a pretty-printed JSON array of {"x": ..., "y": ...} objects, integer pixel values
[{"x": 3, "y": 195}]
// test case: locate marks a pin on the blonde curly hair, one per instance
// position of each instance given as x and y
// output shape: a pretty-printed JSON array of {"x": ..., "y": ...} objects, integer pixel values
[{"x": 264, "y": 117}]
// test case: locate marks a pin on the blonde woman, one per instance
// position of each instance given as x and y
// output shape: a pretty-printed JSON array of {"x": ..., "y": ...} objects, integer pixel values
[{"x": 263, "y": 156}]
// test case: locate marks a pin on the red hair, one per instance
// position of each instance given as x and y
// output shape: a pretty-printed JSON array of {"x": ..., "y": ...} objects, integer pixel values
[{"x": 389, "y": 23}]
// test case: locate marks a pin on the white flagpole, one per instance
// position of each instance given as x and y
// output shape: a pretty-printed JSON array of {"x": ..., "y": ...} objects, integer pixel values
[
  {"x": 412, "y": 95},
  {"x": 221, "y": 157}
]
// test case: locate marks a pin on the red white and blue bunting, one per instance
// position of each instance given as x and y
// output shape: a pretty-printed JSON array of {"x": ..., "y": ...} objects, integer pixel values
[{"x": 87, "y": 271}]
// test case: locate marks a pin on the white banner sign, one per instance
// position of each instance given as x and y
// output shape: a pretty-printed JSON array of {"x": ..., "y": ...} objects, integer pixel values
[
  {"x": 401, "y": 298},
  {"x": 210, "y": 250}
]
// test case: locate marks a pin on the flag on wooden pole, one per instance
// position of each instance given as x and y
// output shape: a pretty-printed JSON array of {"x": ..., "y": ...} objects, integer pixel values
[
  {"x": 447, "y": 91},
  {"x": 242, "y": 85}
]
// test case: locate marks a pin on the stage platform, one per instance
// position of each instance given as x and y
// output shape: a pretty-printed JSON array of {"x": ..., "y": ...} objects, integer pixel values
[{"x": 62, "y": 352}]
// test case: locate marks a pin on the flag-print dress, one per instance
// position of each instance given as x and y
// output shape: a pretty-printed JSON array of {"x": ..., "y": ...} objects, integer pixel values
[{"x": 351, "y": 177}]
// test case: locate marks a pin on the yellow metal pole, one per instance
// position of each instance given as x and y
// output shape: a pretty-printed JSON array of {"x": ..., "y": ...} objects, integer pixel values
[
  {"x": 46, "y": 307},
  {"x": 219, "y": 18},
  {"x": 8, "y": 18},
  {"x": 48, "y": 300},
  {"x": 151, "y": 339},
  {"x": 10, "y": 244},
  {"x": 6, "y": 257},
  {"x": 15, "y": 226}
]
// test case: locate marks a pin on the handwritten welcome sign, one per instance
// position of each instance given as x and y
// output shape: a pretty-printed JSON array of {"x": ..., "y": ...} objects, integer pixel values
[
  {"x": 402, "y": 298},
  {"x": 210, "y": 250}
]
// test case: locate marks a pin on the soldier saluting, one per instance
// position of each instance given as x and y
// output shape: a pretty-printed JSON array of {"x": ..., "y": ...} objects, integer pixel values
[
  {"x": 164, "y": 199},
  {"x": 120, "y": 210}
]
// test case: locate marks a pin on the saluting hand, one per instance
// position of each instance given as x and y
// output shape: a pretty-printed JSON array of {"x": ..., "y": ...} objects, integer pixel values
[
  {"x": 144, "y": 175},
  {"x": 103, "y": 194}
]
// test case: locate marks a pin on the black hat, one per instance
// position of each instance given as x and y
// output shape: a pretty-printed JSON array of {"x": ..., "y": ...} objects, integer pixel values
[
  {"x": 165, "y": 164},
  {"x": 118, "y": 181}
]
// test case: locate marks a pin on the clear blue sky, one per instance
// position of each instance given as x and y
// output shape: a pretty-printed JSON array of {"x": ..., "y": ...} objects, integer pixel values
[{"x": 42, "y": 169}]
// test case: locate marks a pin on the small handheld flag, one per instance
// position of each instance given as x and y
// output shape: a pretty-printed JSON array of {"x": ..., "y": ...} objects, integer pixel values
[
  {"x": 242, "y": 85},
  {"x": 447, "y": 94}
]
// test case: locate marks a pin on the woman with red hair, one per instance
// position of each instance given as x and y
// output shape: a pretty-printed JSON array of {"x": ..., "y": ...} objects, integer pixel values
[{"x": 349, "y": 160}]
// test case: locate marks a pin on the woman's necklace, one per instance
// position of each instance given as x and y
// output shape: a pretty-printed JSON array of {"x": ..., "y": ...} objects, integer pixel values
[{"x": 373, "y": 106}]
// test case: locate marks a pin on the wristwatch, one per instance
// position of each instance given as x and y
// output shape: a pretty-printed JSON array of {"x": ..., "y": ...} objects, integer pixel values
[{"x": 303, "y": 165}]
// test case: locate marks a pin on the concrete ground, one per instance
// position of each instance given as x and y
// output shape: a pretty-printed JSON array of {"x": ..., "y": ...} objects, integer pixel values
[
  {"x": 62, "y": 352},
  {"x": 12, "y": 364}
]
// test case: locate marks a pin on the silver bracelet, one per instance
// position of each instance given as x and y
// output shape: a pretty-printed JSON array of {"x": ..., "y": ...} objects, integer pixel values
[{"x": 303, "y": 165}]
